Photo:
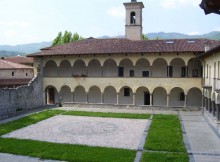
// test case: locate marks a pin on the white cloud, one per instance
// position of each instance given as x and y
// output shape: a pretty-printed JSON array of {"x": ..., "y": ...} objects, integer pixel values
[
  {"x": 193, "y": 33},
  {"x": 118, "y": 12},
  {"x": 178, "y": 3},
  {"x": 10, "y": 33},
  {"x": 217, "y": 29}
]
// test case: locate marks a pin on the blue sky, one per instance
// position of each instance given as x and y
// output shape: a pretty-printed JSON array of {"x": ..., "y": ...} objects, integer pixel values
[{"x": 28, "y": 21}]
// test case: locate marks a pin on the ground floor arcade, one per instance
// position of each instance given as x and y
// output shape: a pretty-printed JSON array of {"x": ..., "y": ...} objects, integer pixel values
[{"x": 142, "y": 96}]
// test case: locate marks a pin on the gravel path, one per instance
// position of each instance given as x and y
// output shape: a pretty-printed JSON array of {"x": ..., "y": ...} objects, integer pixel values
[{"x": 93, "y": 131}]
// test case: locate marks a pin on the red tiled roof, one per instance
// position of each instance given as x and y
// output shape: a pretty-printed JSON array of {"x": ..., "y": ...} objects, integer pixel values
[
  {"x": 10, "y": 65},
  {"x": 14, "y": 81},
  {"x": 20, "y": 59},
  {"x": 122, "y": 46}
]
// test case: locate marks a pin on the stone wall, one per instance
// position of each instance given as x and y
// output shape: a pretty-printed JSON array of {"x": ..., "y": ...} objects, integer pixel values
[{"x": 23, "y": 98}]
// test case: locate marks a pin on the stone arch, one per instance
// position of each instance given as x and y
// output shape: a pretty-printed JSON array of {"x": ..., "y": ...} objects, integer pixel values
[
  {"x": 51, "y": 95},
  {"x": 194, "y": 97},
  {"x": 65, "y": 69},
  {"x": 159, "y": 68},
  {"x": 142, "y": 96},
  {"x": 160, "y": 97},
  {"x": 177, "y": 97},
  {"x": 132, "y": 17},
  {"x": 110, "y": 95},
  {"x": 110, "y": 68},
  {"x": 94, "y": 68},
  {"x": 126, "y": 66},
  {"x": 142, "y": 68},
  {"x": 125, "y": 96},
  {"x": 51, "y": 69},
  {"x": 94, "y": 95},
  {"x": 65, "y": 94},
  {"x": 178, "y": 66},
  {"x": 80, "y": 95},
  {"x": 79, "y": 68},
  {"x": 194, "y": 68}
]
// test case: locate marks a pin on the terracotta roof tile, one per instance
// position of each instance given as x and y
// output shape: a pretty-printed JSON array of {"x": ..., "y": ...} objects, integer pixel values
[
  {"x": 20, "y": 59},
  {"x": 10, "y": 65},
  {"x": 14, "y": 81},
  {"x": 122, "y": 45}
]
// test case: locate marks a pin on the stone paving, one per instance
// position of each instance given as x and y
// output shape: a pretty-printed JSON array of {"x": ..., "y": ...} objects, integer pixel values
[{"x": 92, "y": 131}]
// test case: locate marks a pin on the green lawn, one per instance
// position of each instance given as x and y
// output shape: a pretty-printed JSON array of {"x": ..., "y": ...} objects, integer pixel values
[
  {"x": 164, "y": 157},
  {"x": 65, "y": 152},
  {"x": 165, "y": 134},
  {"x": 109, "y": 115}
]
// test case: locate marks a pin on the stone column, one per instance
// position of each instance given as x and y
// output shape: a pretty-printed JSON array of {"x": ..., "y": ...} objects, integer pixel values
[
  {"x": 87, "y": 71},
  {"x": 87, "y": 97},
  {"x": 73, "y": 96},
  {"x": 187, "y": 71},
  {"x": 185, "y": 102},
  {"x": 102, "y": 71},
  {"x": 134, "y": 99},
  {"x": 210, "y": 105},
  {"x": 168, "y": 100},
  {"x": 218, "y": 112},
  {"x": 206, "y": 103},
  {"x": 117, "y": 98},
  {"x": 213, "y": 108},
  {"x": 102, "y": 97},
  {"x": 151, "y": 99}
]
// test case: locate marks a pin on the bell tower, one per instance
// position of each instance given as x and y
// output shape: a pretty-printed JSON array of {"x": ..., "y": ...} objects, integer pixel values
[{"x": 133, "y": 26}]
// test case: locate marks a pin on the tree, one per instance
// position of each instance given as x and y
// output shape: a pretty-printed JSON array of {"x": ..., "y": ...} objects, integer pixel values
[
  {"x": 157, "y": 38},
  {"x": 144, "y": 37},
  {"x": 57, "y": 40},
  {"x": 66, "y": 38}
]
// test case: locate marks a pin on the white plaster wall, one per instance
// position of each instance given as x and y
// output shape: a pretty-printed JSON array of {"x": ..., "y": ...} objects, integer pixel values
[
  {"x": 18, "y": 74},
  {"x": 110, "y": 96},
  {"x": 94, "y": 95},
  {"x": 124, "y": 100},
  {"x": 174, "y": 97},
  {"x": 80, "y": 95},
  {"x": 160, "y": 97}
]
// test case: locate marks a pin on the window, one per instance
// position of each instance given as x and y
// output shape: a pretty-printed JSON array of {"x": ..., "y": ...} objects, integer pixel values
[
  {"x": 195, "y": 73},
  {"x": 133, "y": 18},
  {"x": 181, "y": 96},
  {"x": 126, "y": 92},
  {"x": 12, "y": 73},
  {"x": 170, "y": 71},
  {"x": 120, "y": 71},
  {"x": 145, "y": 73},
  {"x": 183, "y": 73},
  {"x": 131, "y": 73},
  {"x": 26, "y": 74}
]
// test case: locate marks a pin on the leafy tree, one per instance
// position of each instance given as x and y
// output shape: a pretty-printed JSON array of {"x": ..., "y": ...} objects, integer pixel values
[
  {"x": 66, "y": 38},
  {"x": 157, "y": 38},
  {"x": 57, "y": 40},
  {"x": 144, "y": 37}
]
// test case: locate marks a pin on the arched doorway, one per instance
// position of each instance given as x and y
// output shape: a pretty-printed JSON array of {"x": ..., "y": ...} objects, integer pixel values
[
  {"x": 51, "y": 95},
  {"x": 160, "y": 97},
  {"x": 194, "y": 97},
  {"x": 142, "y": 96},
  {"x": 110, "y": 95}
]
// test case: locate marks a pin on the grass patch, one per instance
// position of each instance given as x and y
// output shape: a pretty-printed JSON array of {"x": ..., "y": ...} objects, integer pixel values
[
  {"x": 28, "y": 120},
  {"x": 165, "y": 134},
  {"x": 164, "y": 157},
  {"x": 65, "y": 152},
  {"x": 108, "y": 115}
]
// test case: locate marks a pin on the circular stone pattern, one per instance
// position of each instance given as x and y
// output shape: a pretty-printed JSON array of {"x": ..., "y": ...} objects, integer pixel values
[{"x": 88, "y": 128}]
